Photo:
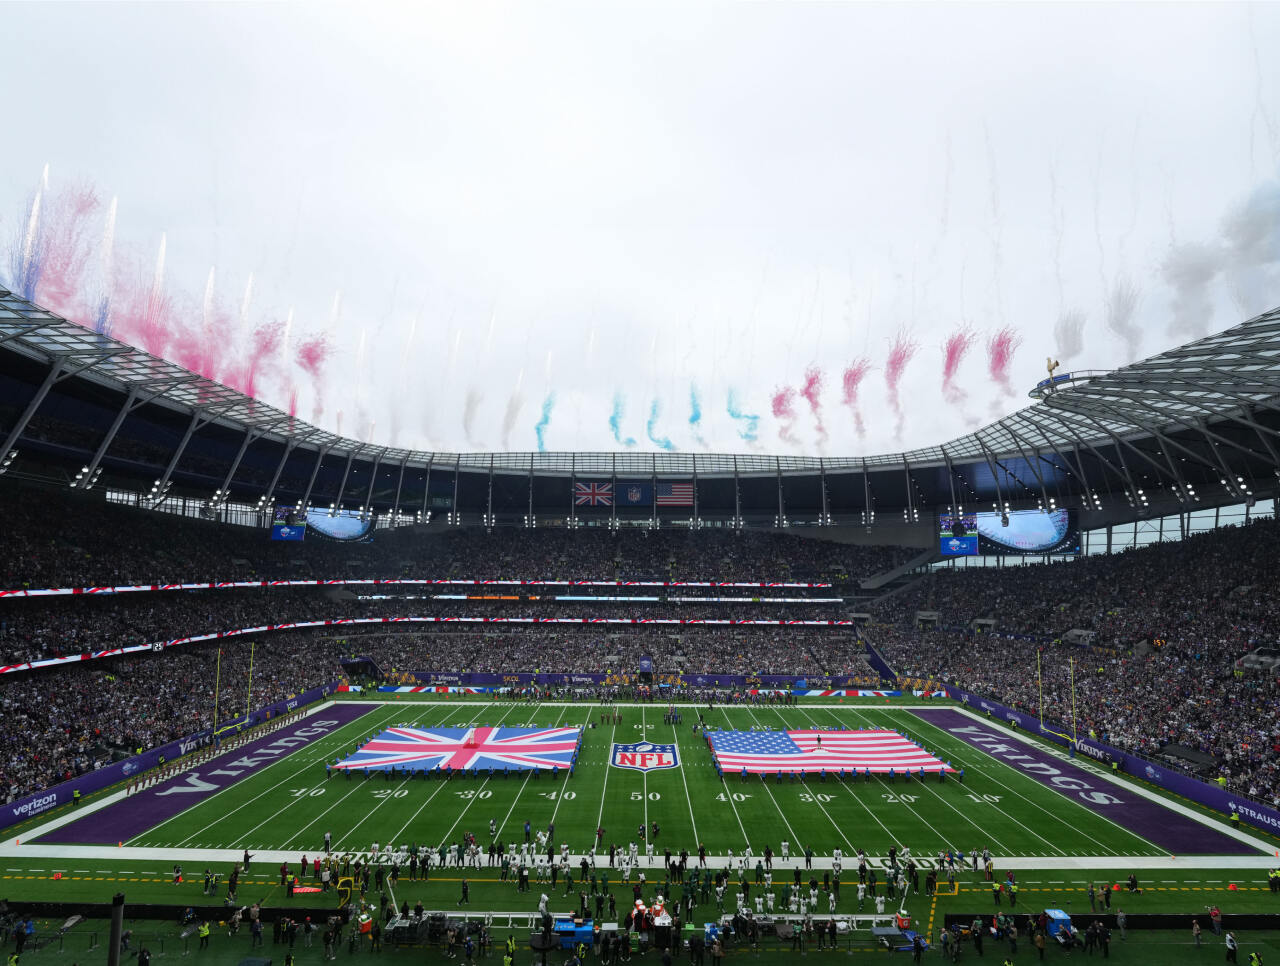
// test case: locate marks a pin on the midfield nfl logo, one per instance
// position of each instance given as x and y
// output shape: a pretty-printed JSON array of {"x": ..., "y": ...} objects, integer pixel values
[{"x": 645, "y": 756}]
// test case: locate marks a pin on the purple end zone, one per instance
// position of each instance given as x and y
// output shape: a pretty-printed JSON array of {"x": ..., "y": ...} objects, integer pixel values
[
  {"x": 1164, "y": 827},
  {"x": 134, "y": 814}
]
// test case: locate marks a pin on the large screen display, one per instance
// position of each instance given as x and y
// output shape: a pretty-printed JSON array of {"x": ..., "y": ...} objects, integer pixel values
[
  {"x": 958, "y": 534},
  {"x": 287, "y": 525},
  {"x": 343, "y": 525},
  {"x": 1029, "y": 532}
]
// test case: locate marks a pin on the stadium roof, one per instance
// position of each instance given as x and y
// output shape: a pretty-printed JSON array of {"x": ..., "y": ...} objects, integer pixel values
[{"x": 1202, "y": 414}]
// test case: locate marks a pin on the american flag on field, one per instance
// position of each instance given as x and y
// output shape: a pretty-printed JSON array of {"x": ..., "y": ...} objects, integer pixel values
[
  {"x": 768, "y": 752},
  {"x": 593, "y": 494},
  {"x": 675, "y": 494},
  {"x": 459, "y": 749}
]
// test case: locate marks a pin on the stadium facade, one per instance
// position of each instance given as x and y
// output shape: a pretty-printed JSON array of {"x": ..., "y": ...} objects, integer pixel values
[{"x": 1194, "y": 427}]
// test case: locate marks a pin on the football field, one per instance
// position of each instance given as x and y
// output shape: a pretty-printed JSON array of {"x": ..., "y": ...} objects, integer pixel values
[{"x": 286, "y": 804}]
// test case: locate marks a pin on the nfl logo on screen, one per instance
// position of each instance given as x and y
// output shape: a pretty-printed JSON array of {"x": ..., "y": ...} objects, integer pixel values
[{"x": 645, "y": 756}]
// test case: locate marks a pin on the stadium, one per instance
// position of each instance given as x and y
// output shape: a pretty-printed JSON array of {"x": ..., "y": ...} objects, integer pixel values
[{"x": 275, "y": 693}]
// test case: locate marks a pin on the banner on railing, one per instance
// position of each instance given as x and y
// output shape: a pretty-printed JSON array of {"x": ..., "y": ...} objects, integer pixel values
[
  {"x": 159, "y": 646},
  {"x": 40, "y": 802},
  {"x": 1210, "y": 796},
  {"x": 414, "y": 582}
]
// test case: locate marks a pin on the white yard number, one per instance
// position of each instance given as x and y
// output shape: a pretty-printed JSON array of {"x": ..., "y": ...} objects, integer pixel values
[
  {"x": 643, "y": 727},
  {"x": 564, "y": 796},
  {"x": 306, "y": 792},
  {"x": 736, "y": 796},
  {"x": 472, "y": 793},
  {"x": 980, "y": 799},
  {"x": 391, "y": 793},
  {"x": 818, "y": 797},
  {"x": 899, "y": 799},
  {"x": 639, "y": 797}
]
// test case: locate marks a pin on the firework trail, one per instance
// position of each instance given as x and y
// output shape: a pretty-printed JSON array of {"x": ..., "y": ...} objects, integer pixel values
[
  {"x": 469, "y": 409},
  {"x": 851, "y": 382},
  {"x": 783, "y": 404},
  {"x": 540, "y": 429},
  {"x": 106, "y": 268},
  {"x": 811, "y": 392},
  {"x": 695, "y": 415},
  {"x": 27, "y": 258},
  {"x": 1068, "y": 332},
  {"x": 1252, "y": 252},
  {"x": 901, "y": 352},
  {"x": 651, "y": 427},
  {"x": 64, "y": 242},
  {"x": 311, "y": 356},
  {"x": 514, "y": 404},
  {"x": 954, "y": 350},
  {"x": 615, "y": 420},
  {"x": 751, "y": 431},
  {"x": 143, "y": 318},
  {"x": 1001, "y": 346},
  {"x": 264, "y": 351},
  {"x": 1122, "y": 305}
]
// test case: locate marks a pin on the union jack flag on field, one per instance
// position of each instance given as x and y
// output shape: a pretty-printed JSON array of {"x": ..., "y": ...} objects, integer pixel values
[
  {"x": 812, "y": 751},
  {"x": 593, "y": 494},
  {"x": 460, "y": 749}
]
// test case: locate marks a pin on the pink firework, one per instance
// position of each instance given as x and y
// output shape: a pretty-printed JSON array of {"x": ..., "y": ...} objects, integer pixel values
[
  {"x": 784, "y": 410},
  {"x": 143, "y": 311},
  {"x": 1001, "y": 347},
  {"x": 954, "y": 350},
  {"x": 311, "y": 357},
  {"x": 68, "y": 233},
  {"x": 264, "y": 352},
  {"x": 812, "y": 393},
  {"x": 852, "y": 381},
  {"x": 901, "y": 353}
]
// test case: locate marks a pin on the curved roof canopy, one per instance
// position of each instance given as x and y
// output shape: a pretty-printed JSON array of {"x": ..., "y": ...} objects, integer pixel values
[{"x": 1206, "y": 414}]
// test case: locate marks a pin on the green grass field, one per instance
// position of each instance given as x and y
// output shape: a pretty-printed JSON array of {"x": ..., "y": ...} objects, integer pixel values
[
  {"x": 290, "y": 805},
  {"x": 282, "y": 811}
]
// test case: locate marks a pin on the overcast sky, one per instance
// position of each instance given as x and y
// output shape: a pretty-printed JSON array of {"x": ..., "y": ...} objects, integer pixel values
[{"x": 605, "y": 226}]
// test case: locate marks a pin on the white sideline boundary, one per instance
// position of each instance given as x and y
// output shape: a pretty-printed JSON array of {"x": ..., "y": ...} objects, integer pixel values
[
  {"x": 71, "y": 852},
  {"x": 1087, "y": 764},
  {"x": 75, "y": 814}
]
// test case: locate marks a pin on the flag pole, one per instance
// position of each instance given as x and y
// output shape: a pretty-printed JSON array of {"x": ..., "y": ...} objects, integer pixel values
[{"x": 1075, "y": 734}]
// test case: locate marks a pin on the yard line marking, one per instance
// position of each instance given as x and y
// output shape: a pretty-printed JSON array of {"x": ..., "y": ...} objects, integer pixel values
[
  {"x": 441, "y": 785},
  {"x": 781, "y": 814},
  {"x": 309, "y": 763},
  {"x": 294, "y": 837},
  {"x": 728, "y": 794},
  {"x": 560, "y": 797},
  {"x": 675, "y": 735},
  {"x": 476, "y": 797},
  {"x": 644, "y": 777},
  {"x": 981, "y": 831},
  {"x": 1097, "y": 772},
  {"x": 605, "y": 787},
  {"x": 814, "y": 797},
  {"x": 1037, "y": 805},
  {"x": 342, "y": 838}
]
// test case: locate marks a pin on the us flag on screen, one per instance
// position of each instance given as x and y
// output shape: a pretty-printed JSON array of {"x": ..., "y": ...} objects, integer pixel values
[
  {"x": 459, "y": 749},
  {"x": 593, "y": 494},
  {"x": 675, "y": 494},
  {"x": 768, "y": 752}
]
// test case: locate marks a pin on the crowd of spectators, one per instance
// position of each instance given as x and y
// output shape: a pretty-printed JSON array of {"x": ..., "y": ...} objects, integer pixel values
[
  {"x": 55, "y": 539},
  {"x": 63, "y": 722},
  {"x": 1171, "y": 620}
]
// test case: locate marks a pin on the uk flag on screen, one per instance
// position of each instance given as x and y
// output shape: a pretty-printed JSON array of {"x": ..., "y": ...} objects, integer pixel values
[
  {"x": 813, "y": 751},
  {"x": 461, "y": 749}
]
